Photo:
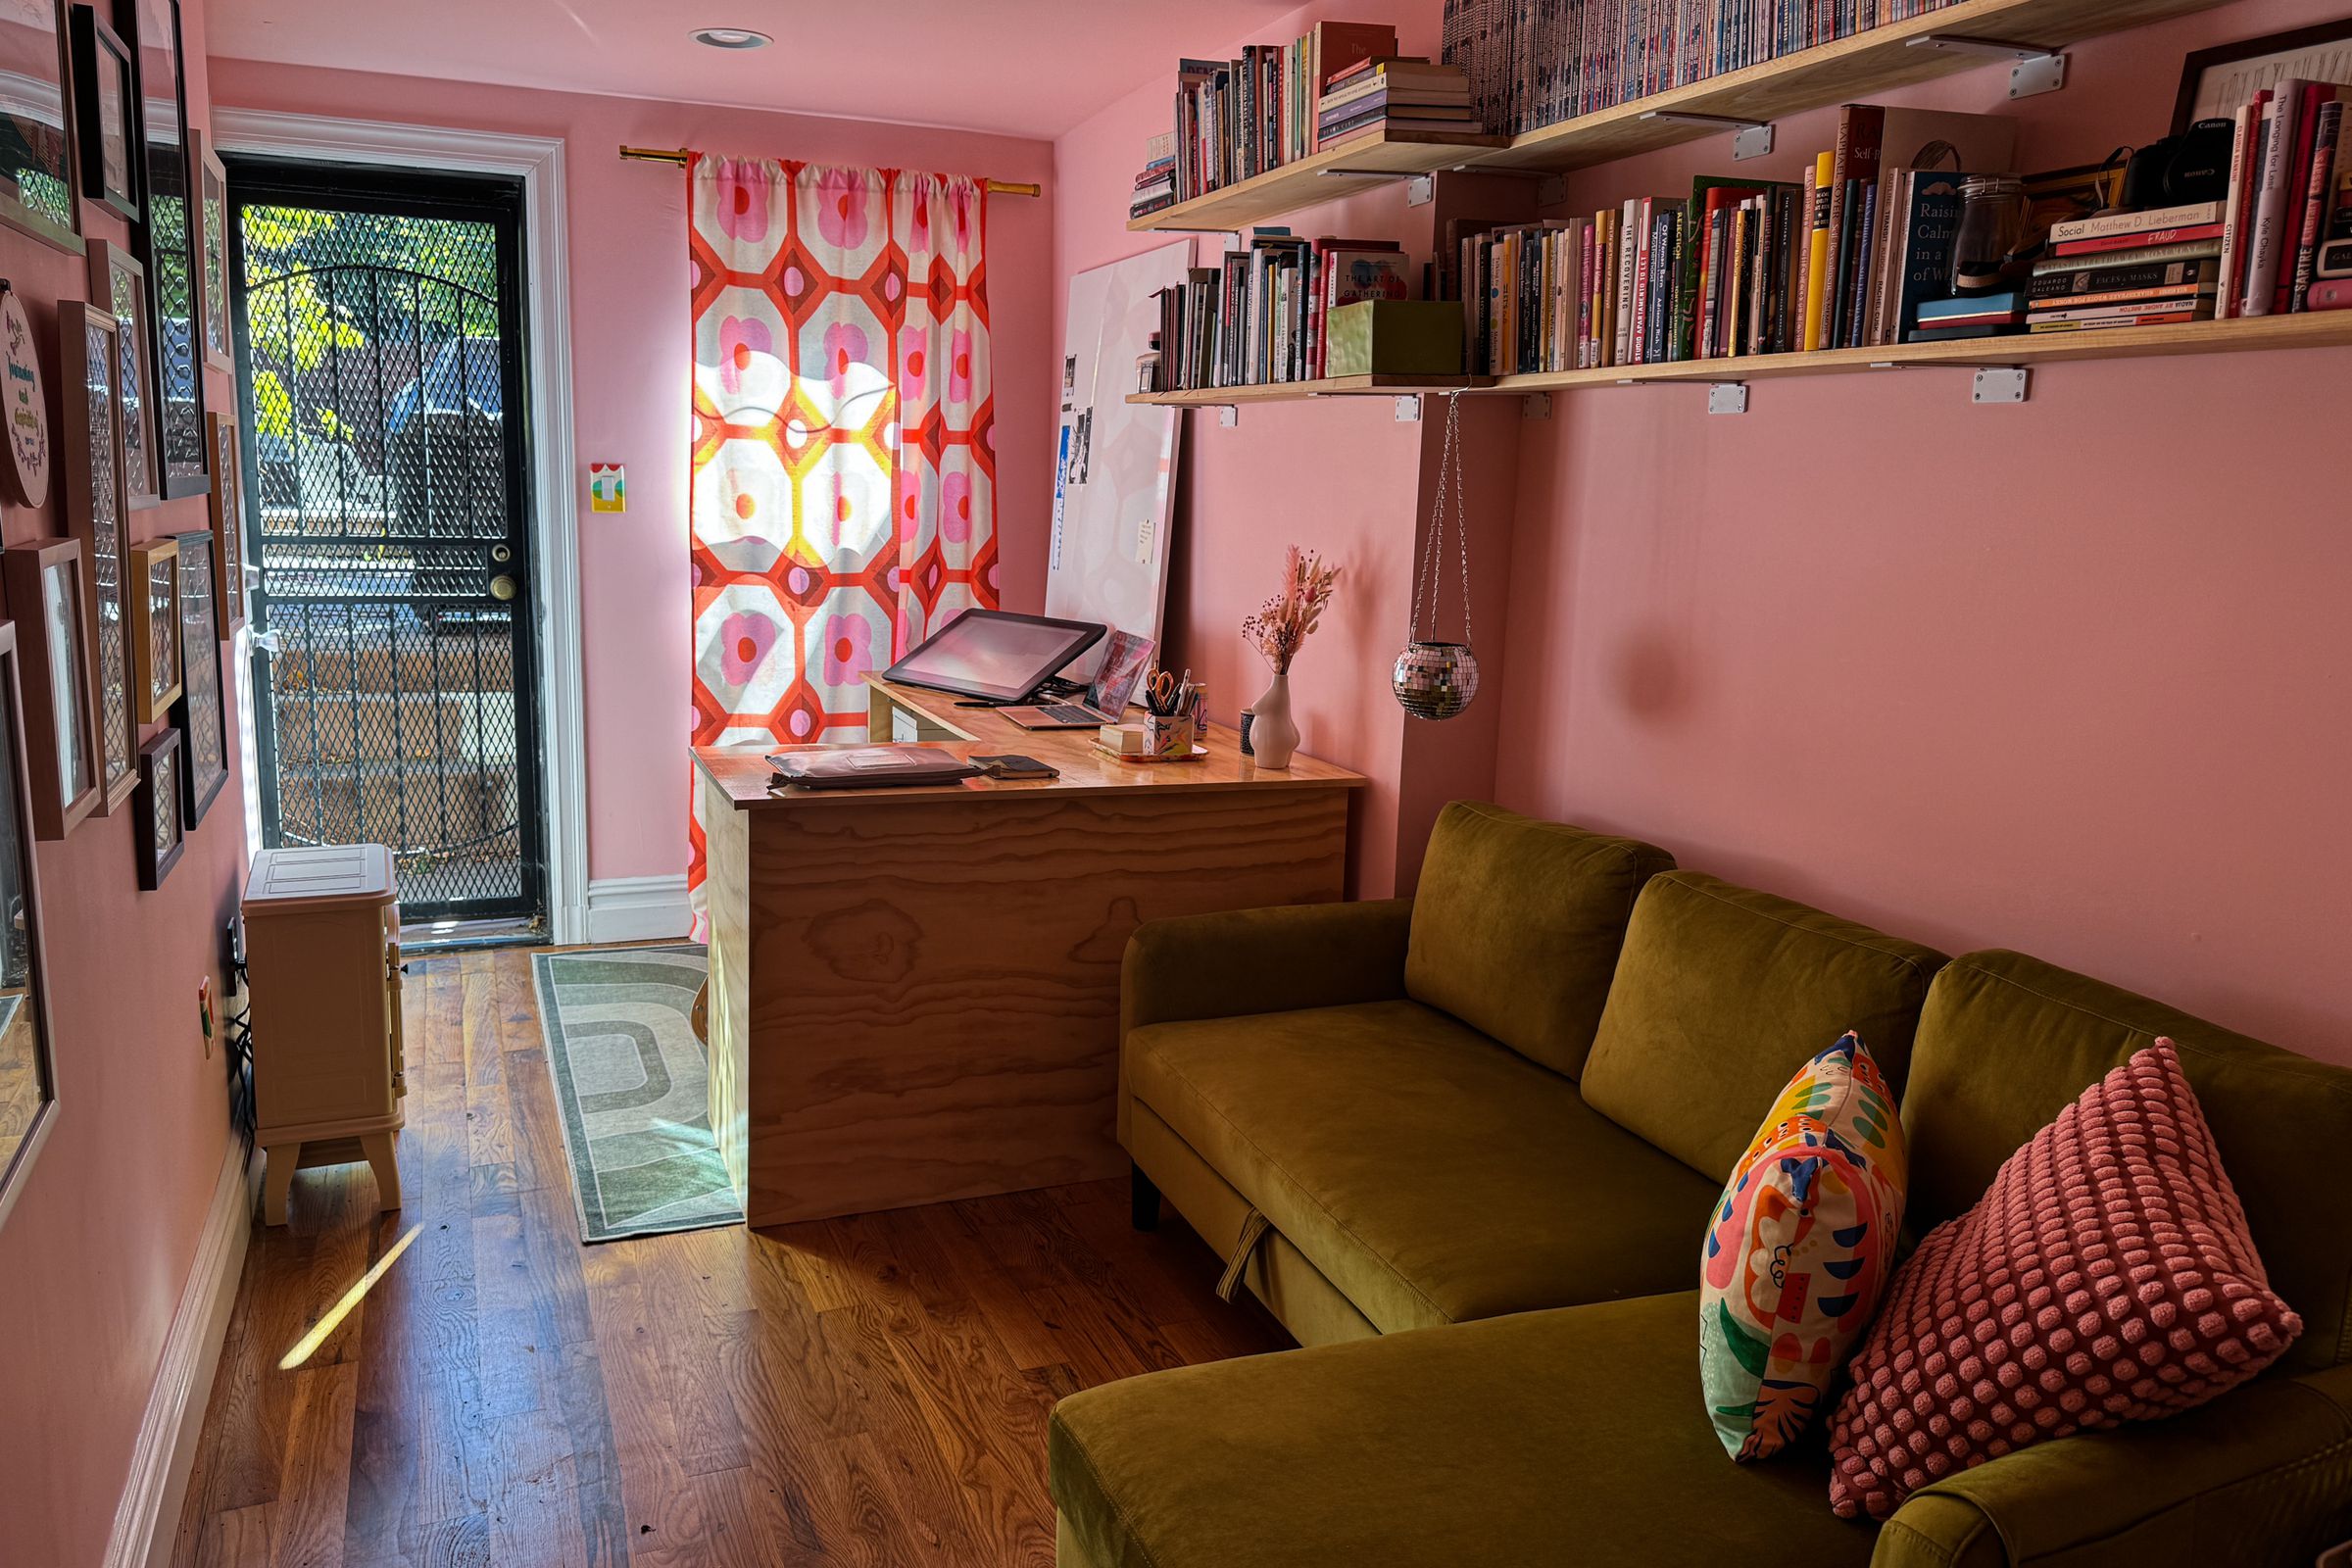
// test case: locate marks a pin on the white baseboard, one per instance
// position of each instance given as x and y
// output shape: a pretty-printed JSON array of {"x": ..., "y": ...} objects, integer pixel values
[
  {"x": 147, "y": 1515},
  {"x": 638, "y": 908}
]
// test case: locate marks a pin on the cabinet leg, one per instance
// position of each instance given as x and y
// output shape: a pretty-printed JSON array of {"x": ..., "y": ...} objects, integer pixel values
[
  {"x": 1142, "y": 1198},
  {"x": 277, "y": 1179},
  {"x": 385, "y": 1161}
]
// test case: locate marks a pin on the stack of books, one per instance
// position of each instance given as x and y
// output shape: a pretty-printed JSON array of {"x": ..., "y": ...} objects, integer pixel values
[
  {"x": 1236, "y": 119},
  {"x": 1259, "y": 316},
  {"x": 2122, "y": 270},
  {"x": 2287, "y": 216},
  {"x": 1394, "y": 94},
  {"x": 1535, "y": 63},
  {"x": 1156, "y": 186}
]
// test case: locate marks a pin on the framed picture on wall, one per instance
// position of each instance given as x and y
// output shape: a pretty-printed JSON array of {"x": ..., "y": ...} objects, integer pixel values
[
  {"x": 118, "y": 283},
  {"x": 21, "y": 404},
  {"x": 155, "y": 627},
  {"x": 37, "y": 174},
  {"x": 106, "y": 92},
  {"x": 229, "y": 523},
  {"x": 97, "y": 509},
  {"x": 162, "y": 839},
  {"x": 48, "y": 597},
  {"x": 202, "y": 719},
  {"x": 165, "y": 239},
  {"x": 2215, "y": 81},
  {"x": 26, "y": 1079},
  {"x": 212, "y": 249}
]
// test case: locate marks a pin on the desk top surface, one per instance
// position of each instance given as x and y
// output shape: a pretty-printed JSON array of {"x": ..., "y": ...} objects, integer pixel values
[{"x": 743, "y": 770}]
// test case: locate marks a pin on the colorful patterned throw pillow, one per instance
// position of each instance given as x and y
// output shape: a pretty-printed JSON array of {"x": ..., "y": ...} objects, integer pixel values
[
  {"x": 1802, "y": 1244},
  {"x": 2107, "y": 1275}
]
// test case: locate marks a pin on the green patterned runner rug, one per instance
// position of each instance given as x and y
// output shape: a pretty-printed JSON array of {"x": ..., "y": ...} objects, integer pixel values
[{"x": 630, "y": 1081}]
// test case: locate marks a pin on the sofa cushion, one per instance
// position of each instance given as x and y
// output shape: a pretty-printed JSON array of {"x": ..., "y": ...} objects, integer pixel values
[
  {"x": 2106, "y": 1276},
  {"x": 1524, "y": 1441},
  {"x": 1430, "y": 1174},
  {"x": 1803, "y": 1240},
  {"x": 2007, "y": 1042},
  {"x": 1722, "y": 994},
  {"x": 1517, "y": 923}
]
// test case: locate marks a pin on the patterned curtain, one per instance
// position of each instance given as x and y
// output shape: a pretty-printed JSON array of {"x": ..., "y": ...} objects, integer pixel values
[{"x": 844, "y": 465}]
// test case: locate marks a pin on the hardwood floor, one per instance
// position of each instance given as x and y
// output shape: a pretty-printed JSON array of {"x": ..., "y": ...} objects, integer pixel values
[{"x": 869, "y": 1391}]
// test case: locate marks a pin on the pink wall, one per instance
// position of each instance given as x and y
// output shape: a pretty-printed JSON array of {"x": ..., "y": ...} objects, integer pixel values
[
  {"x": 93, "y": 1257},
  {"x": 2066, "y": 677},
  {"x": 1340, "y": 477},
  {"x": 629, "y": 343}
]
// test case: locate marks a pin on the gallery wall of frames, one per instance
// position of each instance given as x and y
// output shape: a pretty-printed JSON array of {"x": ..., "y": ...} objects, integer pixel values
[{"x": 119, "y": 695}]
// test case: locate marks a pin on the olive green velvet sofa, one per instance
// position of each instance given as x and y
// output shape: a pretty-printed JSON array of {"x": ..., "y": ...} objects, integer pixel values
[{"x": 1464, "y": 1148}]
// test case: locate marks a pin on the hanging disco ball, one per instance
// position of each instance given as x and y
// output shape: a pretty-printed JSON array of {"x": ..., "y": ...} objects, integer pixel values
[{"x": 1436, "y": 681}]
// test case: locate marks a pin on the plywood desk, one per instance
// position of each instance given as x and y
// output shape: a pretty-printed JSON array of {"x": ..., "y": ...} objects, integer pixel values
[{"x": 915, "y": 992}]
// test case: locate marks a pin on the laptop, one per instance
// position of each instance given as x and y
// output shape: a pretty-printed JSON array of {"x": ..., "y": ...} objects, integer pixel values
[{"x": 1124, "y": 657}]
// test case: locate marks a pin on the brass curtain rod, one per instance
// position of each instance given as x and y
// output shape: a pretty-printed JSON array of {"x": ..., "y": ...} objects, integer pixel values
[{"x": 679, "y": 155}]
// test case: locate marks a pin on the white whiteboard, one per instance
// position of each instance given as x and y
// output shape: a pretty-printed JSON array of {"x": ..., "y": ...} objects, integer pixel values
[{"x": 1115, "y": 461}]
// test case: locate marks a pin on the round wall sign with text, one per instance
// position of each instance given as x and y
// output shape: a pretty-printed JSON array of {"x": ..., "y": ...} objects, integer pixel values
[{"x": 22, "y": 405}]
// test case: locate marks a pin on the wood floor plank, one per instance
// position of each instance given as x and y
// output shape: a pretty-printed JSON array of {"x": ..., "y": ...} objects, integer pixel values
[
  {"x": 870, "y": 1391},
  {"x": 306, "y": 1531}
]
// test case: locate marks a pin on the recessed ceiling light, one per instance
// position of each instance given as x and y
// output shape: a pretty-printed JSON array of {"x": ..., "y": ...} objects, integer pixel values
[{"x": 732, "y": 38}]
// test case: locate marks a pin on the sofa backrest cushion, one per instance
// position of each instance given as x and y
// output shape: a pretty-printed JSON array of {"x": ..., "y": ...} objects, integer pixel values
[
  {"x": 1517, "y": 923},
  {"x": 1722, "y": 992},
  {"x": 2007, "y": 1042}
]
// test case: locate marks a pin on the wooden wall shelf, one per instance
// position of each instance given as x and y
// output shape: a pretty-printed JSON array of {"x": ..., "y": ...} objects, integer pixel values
[
  {"x": 1337, "y": 386},
  {"x": 2252, "y": 334},
  {"x": 1309, "y": 182},
  {"x": 1839, "y": 71},
  {"x": 1836, "y": 73}
]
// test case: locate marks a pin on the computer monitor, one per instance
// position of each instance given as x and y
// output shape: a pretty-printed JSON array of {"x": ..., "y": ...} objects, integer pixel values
[{"x": 995, "y": 654}]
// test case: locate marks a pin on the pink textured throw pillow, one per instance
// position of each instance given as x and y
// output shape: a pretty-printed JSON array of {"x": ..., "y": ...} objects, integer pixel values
[{"x": 2106, "y": 1276}]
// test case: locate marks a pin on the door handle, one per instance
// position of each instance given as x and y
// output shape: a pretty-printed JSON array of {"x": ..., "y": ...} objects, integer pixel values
[{"x": 501, "y": 587}]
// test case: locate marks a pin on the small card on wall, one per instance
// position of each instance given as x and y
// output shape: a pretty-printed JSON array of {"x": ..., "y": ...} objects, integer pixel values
[{"x": 607, "y": 487}]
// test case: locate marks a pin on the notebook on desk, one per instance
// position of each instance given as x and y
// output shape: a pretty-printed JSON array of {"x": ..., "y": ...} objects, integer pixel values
[
  {"x": 869, "y": 767},
  {"x": 1124, "y": 659}
]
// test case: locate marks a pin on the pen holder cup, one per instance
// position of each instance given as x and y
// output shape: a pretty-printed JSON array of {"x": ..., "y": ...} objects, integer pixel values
[{"x": 1170, "y": 734}]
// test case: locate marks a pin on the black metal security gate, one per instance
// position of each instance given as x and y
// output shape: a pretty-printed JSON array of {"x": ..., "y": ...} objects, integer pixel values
[{"x": 380, "y": 323}]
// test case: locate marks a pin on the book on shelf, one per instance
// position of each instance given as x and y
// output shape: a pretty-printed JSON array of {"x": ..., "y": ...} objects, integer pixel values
[
  {"x": 2109, "y": 244},
  {"x": 2111, "y": 225},
  {"x": 1260, "y": 315}
]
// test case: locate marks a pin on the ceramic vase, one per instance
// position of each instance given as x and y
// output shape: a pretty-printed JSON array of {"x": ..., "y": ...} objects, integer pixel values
[{"x": 1273, "y": 737}]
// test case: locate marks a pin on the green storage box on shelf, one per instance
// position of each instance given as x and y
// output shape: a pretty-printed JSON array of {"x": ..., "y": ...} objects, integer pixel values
[{"x": 1394, "y": 337}]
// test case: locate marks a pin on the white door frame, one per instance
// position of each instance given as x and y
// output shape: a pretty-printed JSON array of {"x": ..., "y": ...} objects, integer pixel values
[{"x": 556, "y": 552}]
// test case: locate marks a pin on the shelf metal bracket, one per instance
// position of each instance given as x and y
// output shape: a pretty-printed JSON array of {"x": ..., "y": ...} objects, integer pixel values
[
  {"x": 1408, "y": 409},
  {"x": 1752, "y": 139},
  {"x": 2039, "y": 69},
  {"x": 1535, "y": 406},
  {"x": 1988, "y": 383},
  {"x": 1727, "y": 397},
  {"x": 2000, "y": 384},
  {"x": 1228, "y": 415},
  {"x": 1419, "y": 190}
]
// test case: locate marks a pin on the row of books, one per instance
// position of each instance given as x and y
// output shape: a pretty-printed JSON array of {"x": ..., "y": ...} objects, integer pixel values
[
  {"x": 1535, "y": 63},
  {"x": 1736, "y": 266},
  {"x": 1236, "y": 119},
  {"x": 1259, "y": 316},
  {"x": 2285, "y": 223}
]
